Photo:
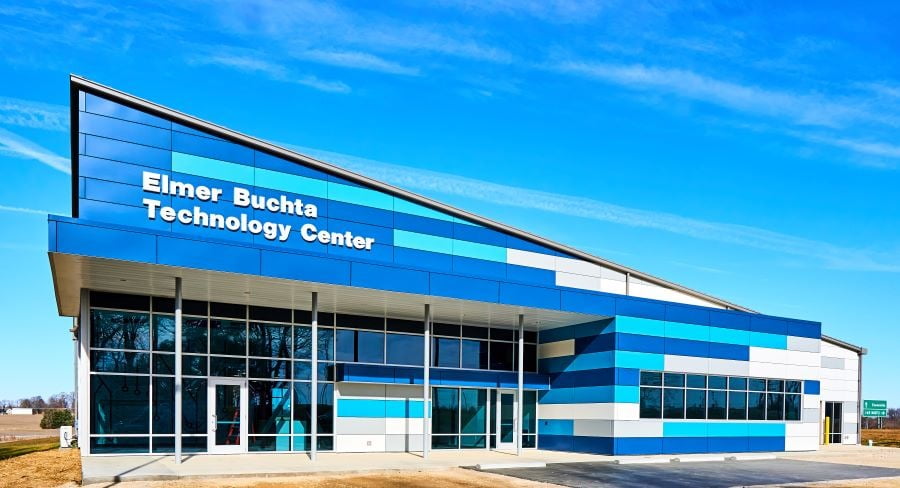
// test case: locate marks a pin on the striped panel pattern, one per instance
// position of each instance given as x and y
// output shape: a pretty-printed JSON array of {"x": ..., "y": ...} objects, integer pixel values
[{"x": 377, "y": 418}]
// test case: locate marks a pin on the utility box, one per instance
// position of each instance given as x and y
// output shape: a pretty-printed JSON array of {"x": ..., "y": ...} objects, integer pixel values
[{"x": 65, "y": 437}]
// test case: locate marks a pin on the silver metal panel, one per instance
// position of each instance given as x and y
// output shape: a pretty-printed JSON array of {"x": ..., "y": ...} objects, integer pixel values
[
  {"x": 359, "y": 426},
  {"x": 832, "y": 363},
  {"x": 810, "y": 415},
  {"x": 806, "y": 344}
]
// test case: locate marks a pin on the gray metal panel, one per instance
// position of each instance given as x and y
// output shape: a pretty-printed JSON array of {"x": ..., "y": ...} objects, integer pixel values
[
  {"x": 806, "y": 344},
  {"x": 360, "y": 426},
  {"x": 398, "y": 443},
  {"x": 593, "y": 428},
  {"x": 832, "y": 363},
  {"x": 810, "y": 415}
]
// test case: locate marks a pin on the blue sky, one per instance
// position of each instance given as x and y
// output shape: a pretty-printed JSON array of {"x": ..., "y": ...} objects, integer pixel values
[{"x": 745, "y": 149}]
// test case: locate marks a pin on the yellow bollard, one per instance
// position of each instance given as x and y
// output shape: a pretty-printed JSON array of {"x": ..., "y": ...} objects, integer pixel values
[{"x": 827, "y": 430}]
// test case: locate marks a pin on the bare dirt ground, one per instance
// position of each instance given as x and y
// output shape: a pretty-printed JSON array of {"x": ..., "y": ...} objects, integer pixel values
[
  {"x": 883, "y": 457},
  {"x": 42, "y": 469},
  {"x": 870, "y": 483},
  {"x": 14, "y": 427}
]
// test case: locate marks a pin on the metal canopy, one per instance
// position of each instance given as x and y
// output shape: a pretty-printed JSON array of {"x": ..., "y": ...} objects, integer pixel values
[{"x": 72, "y": 272}]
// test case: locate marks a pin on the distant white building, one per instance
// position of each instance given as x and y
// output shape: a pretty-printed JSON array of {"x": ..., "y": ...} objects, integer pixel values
[{"x": 20, "y": 411}]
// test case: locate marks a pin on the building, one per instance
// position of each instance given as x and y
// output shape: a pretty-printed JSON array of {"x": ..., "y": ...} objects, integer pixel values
[
  {"x": 272, "y": 302},
  {"x": 19, "y": 411}
]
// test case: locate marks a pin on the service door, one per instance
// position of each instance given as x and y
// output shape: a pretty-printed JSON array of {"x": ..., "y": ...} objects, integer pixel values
[
  {"x": 506, "y": 419},
  {"x": 228, "y": 416}
]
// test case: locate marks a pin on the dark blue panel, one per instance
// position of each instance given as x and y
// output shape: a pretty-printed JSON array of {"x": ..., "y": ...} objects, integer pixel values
[
  {"x": 685, "y": 347},
  {"x": 124, "y": 130},
  {"x": 536, "y": 381},
  {"x": 110, "y": 191},
  {"x": 380, "y": 253},
  {"x": 464, "y": 288},
  {"x": 811, "y": 387},
  {"x": 557, "y": 334},
  {"x": 388, "y": 278},
  {"x": 208, "y": 255},
  {"x": 640, "y": 343},
  {"x": 637, "y": 445},
  {"x": 382, "y": 235},
  {"x": 769, "y": 325},
  {"x": 684, "y": 445},
  {"x": 188, "y": 130},
  {"x": 320, "y": 203},
  {"x": 588, "y": 377},
  {"x": 483, "y": 235},
  {"x": 211, "y": 148},
  {"x": 423, "y": 259},
  {"x": 529, "y": 296},
  {"x": 556, "y": 442},
  {"x": 264, "y": 160},
  {"x": 409, "y": 376},
  {"x": 590, "y": 329},
  {"x": 562, "y": 380},
  {"x": 728, "y": 444},
  {"x": 636, "y": 307},
  {"x": 119, "y": 214},
  {"x": 803, "y": 328},
  {"x": 595, "y": 343},
  {"x": 51, "y": 235},
  {"x": 423, "y": 225},
  {"x": 360, "y": 213},
  {"x": 527, "y": 274},
  {"x": 766, "y": 444},
  {"x": 367, "y": 373},
  {"x": 687, "y": 314},
  {"x": 107, "y": 243},
  {"x": 104, "y": 169},
  {"x": 729, "y": 351},
  {"x": 102, "y": 106},
  {"x": 593, "y": 303},
  {"x": 127, "y": 152},
  {"x": 81, "y": 186},
  {"x": 516, "y": 243},
  {"x": 460, "y": 377},
  {"x": 295, "y": 242},
  {"x": 594, "y": 445},
  {"x": 627, "y": 376},
  {"x": 729, "y": 319},
  {"x": 305, "y": 268},
  {"x": 479, "y": 267}
]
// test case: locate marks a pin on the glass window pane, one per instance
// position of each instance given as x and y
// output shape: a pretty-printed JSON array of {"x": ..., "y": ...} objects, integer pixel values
[
  {"x": 673, "y": 379},
  {"x": 791, "y": 386},
  {"x": 756, "y": 406},
  {"x": 405, "y": 349},
  {"x": 673, "y": 403},
  {"x": 193, "y": 365},
  {"x": 737, "y": 405},
  {"x": 163, "y": 405},
  {"x": 326, "y": 344},
  {"x": 530, "y": 365},
  {"x": 193, "y": 406},
  {"x": 120, "y": 404},
  {"x": 775, "y": 385},
  {"x": 270, "y": 368},
  {"x": 165, "y": 363},
  {"x": 474, "y": 354},
  {"x": 716, "y": 407},
  {"x": 270, "y": 340},
  {"x": 301, "y": 442},
  {"x": 775, "y": 404},
  {"x": 473, "y": 442},
  {"x": 164, "y": 445},
  {"x": 696, "y": 404},
  {"x": 120, "y": 362},
  {"x": 717, "y": 382},
  {"x": 473, "y": 411},
  {"x": 228, "y": 337},
  {"x": 651, "y": 378},
  {"x": 345, "y": 342},
  {"x": 696, "y": 381},
  {"x": 302, "y": 343},
  {"x": 529, "y": 441},
  {"x": 445, "y": 352},
  {"x": 269, "y": 407},
  {"x": 445, "y": 442},
  {"x": 302, "y": 409},
  {"x": 325, "y": 443},
  {"x": 112, "y": 329},
  {"x": 326, "y": 371},
  {"x": 163, "y": 333},
  {"x": 502, "y": 356},
  {"x": 735, "y": 383},
  {"x": 230, "y": 367},
  {"x": 445, "y": 419},
  {"x": 651, "y": 403},
  {"x": 370, "y": 347},
  {"x": 529, "y": 423},
  {"x": 119, "y": 445},
  {"x": 269, "y": 444},
  {"x": 193, "y": 334},
  {"x": 325, "y": 411},
  {"x": 302, "y": 370},
  {"x": 756, "y": 384},
  {"x": 792, "y": 407}
]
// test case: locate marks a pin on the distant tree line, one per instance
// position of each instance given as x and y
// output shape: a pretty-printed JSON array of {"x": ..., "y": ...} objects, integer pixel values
[{"x": 59, "y": 400}]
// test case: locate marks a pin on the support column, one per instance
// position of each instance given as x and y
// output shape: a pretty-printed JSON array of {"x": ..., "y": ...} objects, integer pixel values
[
  {"x": 83, "y": 420},
  {"x": 520, "y": 403},
  {"x": 426, "y": 385},
  {"x": 314, "y": 384},
  {"x": 178, "y": 382}
]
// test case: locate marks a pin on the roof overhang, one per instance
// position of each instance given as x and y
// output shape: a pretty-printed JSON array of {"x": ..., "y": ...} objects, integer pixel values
[
  {"x": 71, "y": 273},
  {"x": 846, "y": 345}
]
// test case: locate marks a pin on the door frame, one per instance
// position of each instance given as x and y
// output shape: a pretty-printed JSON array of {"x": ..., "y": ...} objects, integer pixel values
[
  {"x": 516, "y": 428},
  {"x": 211, "y": 446},
  {"x": 835, "y": 428}
]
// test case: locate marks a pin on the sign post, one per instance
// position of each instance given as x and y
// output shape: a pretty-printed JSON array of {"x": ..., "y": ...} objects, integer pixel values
[{"x": 875, "y": 409}]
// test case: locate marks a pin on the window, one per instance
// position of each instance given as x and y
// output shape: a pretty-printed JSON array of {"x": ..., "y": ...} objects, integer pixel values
[
  {"x": 673, "y": 403},
  {"x": 269, "y": 407},
  {"x": 756, "y": 406},
  {"x": 270, "y": 340},
  {"x": 696, "y": 404},
  {"x": 737, "y": 405},
  {"x": 651, "y": 403},
  {"x": 502, "y": 356},
  {"x": 228, "y": 337},
  {"x": 716, "y": 408},
  {"x": 360, "y": 346},
  {"x": 445, "y": 353},
  {"x": 474, "y": 354},
  {"x": 112, "y": 329},
  {"x": 405, "y": 349}
]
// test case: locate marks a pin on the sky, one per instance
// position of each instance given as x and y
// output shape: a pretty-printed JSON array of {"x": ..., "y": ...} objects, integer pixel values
[{"x": 748, "y": 150}]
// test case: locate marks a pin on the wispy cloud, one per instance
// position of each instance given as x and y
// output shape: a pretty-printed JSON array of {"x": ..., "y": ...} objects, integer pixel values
[
  {"x": 29, "y": 113},
  {"x": 826, "y": 254},
  {"x": 324, "y": 85},
  {"x": 356, "y": 60},
  {"x": 254, "y": 63},
  {"x": 20, "y": 147},
  {"x": 555, "y": 11},
  {"x": 25, "y": 210}
]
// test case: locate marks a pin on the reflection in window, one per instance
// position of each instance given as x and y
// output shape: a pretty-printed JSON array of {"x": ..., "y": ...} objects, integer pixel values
[
  {"x": 737, "y": 405},
  {"x": 756, "y": 406},
  {"x": 270, "y": 340},
  {"x": 775, "y": 410},
  {"x": 120, "y": 330},
  {"x": 228, "y": 337},
  {"x": 474, "y": 354},
  {"x": 502, "y": 356},
  {"x": 696, "y": 404},
  {"x": 405, "y": 349},
  {"x": 445, "y": 353},
  {"x": 120, "y": 404},
  {"x": 269, "y": 407},
  {"x": 673, "y": 403},
  {"x": 193, "y": 334},
  {"x": 716, "y": 409},
  {"x": 792, "y": 407},
  {"x": 651, "y": 403}
]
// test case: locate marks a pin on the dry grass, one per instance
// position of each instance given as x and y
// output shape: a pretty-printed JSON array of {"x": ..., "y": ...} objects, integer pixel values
[
  {"x": 869, "y": 483},
  {"x": 882, "y": 437},
  {"x": 41, "y": 469},
  {"x": 15, "y": 427},
  {"x": 18, "y": 448},
  {"x": 448, "y": 478}
]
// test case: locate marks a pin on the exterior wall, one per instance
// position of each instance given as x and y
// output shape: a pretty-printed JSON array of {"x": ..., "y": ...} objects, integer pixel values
[
  {"x": 377, "y": 418},
  {"x": 840, "y": 383}
]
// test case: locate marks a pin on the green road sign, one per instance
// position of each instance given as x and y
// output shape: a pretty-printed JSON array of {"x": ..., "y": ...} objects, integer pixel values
[
  {"x": 874, "y": 405},
  {"x": 874, "y": 413}
]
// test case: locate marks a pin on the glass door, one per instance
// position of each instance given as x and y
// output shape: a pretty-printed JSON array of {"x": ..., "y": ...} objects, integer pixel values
[
  {"x": 506, "y": 419},
  {"x": 833, "y": 412},
  {"x": 228, "y": 416}
]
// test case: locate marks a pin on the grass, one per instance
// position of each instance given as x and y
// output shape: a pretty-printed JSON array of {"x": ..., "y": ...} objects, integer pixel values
[
  {"x": 27, "y": 446},
  {"x": 881, "y": 437}
]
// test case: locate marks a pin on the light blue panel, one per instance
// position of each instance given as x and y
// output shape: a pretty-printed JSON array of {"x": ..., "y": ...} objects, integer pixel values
[
  {"x": 291, "y": 183},
  {"x": 634, "y": 325},
  {"x": 684, "y": 429},
  {"x": 479, "y": 251},
  {"x": 763, "y": 339},
  {"x": 767, "y": 430},
  {"x": 422, "y": 242},
  {"x": 678, "y": 330},
  {"x": 357, "y": 407},
  {"x": 212, "y": 168},
  {"x": 729, "y": 336},
  {"x": 593, "y": 360},
  {"x": 639, "y": 360},
  {"x": 415, "y": 409},
  {"x": 359, "y": 196},
  {"x": 401, "y": 205},
  {"x": 728, "y": 429},
  {"x": 626, "y": 394},
  {"x": 557, "y": 427}
]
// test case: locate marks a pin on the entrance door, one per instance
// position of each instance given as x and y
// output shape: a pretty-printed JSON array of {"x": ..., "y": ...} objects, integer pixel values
[
  {"x": 228, "y": 416},
  {"x": 834, "y": 412},
  {"x": 506, "y": 419}
]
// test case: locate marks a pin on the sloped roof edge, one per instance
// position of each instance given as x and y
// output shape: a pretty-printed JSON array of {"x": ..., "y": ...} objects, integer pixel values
[{"x": 80, "y": 83}]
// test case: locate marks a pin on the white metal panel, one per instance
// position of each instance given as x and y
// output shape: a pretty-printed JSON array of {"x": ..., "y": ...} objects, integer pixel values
[
  {"x": 801, "y": 429},
  {"x": 812, "y": 401},
  {"x": 638, "y": 428},
  {"x": 556, "y": 349},
  {"x": 414, "y": 426},
  {"x": 626, "y": 411},
  {"x": 801, "y": 443},
  {"x": 768, "y": 355},
  {"x": 808, "y": 344},
  {"x": 829, "y": 349},
  {"x": 729, "y": 367},
  {"x": 403, "y": 391},
  {"x": 833, "y": 363},
  {"x": 359, "y": 390},
  {"x": 359, "y": 443},
  {"x": 843, "y": 385},
  {"x": 578, "y": 281},
  {"x": 531, "y": 259},
  {"x": 359, "y": 425},
  {"x": 803, "y": 358},
  {"x": 686, "y": 364},
  {"x": 571, "y": 411},
  {"x": 576, "y": 266},
  {"x": 838, "y": 396},
  {"x": 396, "y": 426},
  {"x": 827, "y": 374},
  {"x": 811, "y": 415},
  {"x": 612, "y": 286},
  {"x": 849, "y": 438}
]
